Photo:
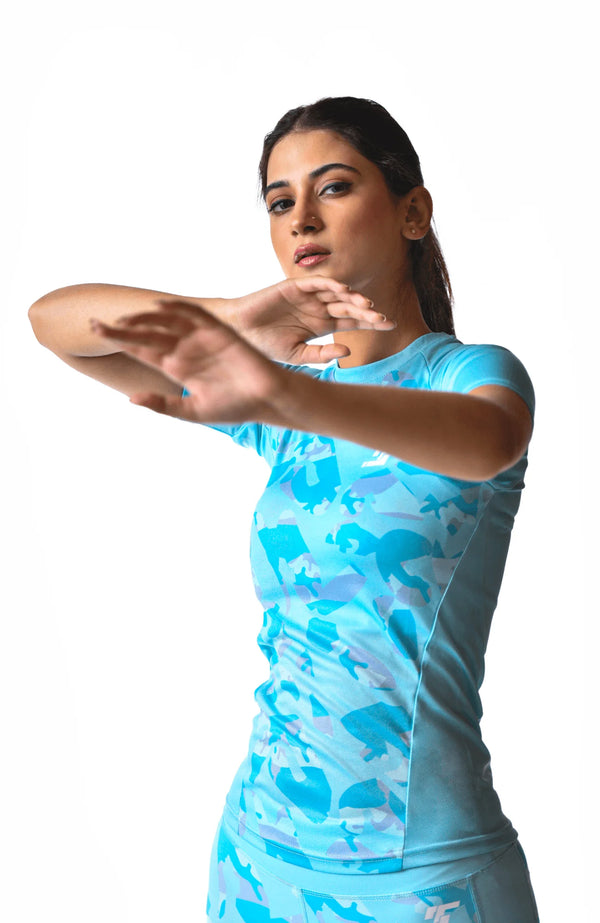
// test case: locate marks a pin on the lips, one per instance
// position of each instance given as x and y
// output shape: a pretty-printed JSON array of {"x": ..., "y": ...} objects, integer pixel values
[{"x": 309, "y": 250}]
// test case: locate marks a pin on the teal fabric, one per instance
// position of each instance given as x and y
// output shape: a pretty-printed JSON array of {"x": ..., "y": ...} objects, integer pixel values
[
  {"x": 246, "y": 886},
  {"x": 378, "y": 581}
]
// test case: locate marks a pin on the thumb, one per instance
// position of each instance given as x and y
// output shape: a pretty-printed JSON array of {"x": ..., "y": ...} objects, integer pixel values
[{"x": 168, "y": 405}]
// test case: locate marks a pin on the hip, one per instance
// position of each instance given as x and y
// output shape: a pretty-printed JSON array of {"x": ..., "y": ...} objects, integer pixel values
[{"x": 246, "y": 884}]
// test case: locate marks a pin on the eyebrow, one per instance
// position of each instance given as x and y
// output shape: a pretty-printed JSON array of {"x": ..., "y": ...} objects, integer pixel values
[{"x": 313, "y": 175}]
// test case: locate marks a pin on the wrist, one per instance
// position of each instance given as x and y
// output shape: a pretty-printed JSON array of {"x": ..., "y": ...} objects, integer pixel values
[
  {"x": 224, "y": 309},
  {"x": 289, "y": 399},
  {"x": 234, "y": 312},
  {"x": 248, "y": 313}
]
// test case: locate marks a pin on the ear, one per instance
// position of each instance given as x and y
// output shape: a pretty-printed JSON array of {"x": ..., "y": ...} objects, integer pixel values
[{"x": 418, "y": 212}]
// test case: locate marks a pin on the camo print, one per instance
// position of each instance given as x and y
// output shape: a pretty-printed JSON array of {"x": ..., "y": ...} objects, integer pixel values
[
  {"x": 378, "y": 581},
  {"x": 242, "y": 891}
]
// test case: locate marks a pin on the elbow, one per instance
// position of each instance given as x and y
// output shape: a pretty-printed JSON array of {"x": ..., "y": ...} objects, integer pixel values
[
  {"x": 487, "y": 472},
  {"x": 53, "y": 297},
  {"x": 44, "y": 313},
  {"x": 38, "y": 318},
  {"x": 503, "y": 448},
  {"x": 34, "y": 319}
]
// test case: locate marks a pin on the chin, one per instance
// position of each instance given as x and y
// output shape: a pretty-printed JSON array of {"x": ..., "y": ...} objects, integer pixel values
[{"x": 321, "y": 269}]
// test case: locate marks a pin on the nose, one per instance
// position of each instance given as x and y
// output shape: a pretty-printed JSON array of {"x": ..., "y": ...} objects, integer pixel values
[{"x": 304, "y": 221}]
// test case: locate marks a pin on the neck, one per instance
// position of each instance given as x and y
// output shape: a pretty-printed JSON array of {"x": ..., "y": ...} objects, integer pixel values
[{"x": 371, "y": 345}]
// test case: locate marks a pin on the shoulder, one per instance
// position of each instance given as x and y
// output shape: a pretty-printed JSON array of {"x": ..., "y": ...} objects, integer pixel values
[{"x": 463, "y": 367}]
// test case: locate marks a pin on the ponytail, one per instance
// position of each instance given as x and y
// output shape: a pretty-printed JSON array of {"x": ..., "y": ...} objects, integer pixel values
[{"x": 432, "y": 283}]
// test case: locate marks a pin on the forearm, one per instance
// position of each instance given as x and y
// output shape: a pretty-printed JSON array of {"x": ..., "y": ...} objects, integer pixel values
[
  {"x": 61, "y": 319},
  {"x": 457, "y": 435}
]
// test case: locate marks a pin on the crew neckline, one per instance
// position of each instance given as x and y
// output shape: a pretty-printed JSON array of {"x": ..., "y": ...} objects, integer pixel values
[{"x": 379, "y": 368}]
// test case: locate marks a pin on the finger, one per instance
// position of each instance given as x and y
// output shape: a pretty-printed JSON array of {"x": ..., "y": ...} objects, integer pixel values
[
  {"x": 168, "y": 405},
  {"x": 370, "y": 318},
  {"x": 321, "y": 353},
  {"x": 325, "y": 288},
  {"x": 339, "y": 326},
  {"x": 162, "y": 342},
  {"x": 186, "y": 308},
  {"x": 316, "y": 283},
  {"x": 352, "y": 298},
  {"x": 176, "y": 323},
  {"x": 203, "y": 319}
]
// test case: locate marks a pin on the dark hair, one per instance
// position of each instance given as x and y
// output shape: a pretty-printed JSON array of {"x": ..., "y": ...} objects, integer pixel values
[{"x": 372, "y": 131}]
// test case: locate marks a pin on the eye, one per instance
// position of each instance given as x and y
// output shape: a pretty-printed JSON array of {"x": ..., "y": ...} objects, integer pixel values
[
  {"x": 334, "y": 188},
  {"x": 279, "y": 206}
]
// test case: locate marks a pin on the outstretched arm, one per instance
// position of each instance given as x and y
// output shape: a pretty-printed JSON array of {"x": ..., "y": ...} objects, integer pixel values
[
  {"x": 471, "y": 436},
  {"x": 467, "y": 436},
  {"x": 278, "y": 320}
]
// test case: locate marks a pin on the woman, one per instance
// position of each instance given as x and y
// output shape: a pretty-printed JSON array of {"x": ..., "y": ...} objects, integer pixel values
[{"x": 378, "y": 546}]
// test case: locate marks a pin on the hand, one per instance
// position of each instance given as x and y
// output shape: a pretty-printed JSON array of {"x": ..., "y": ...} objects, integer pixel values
[
  {"x": 228, "y": 380},
  {"x": 279, "y": 320}
]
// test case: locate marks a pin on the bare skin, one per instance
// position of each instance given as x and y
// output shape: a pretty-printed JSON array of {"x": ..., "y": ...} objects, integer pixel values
[
  {"x": 350, "y": 212},
  {"x": 472, "y": 437},
  {"x": 222, "y": 351},
  {"x": 278, "y": 320}
]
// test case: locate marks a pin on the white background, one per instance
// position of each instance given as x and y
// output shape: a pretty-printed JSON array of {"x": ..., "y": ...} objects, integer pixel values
[{"x": 132, "y": 132}]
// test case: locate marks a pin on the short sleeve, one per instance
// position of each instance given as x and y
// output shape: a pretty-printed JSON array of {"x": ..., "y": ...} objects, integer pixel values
[
  {"x": 262, "y": 438},
  {"x": 473, "y": 366},
  {"x": 248, "y": 435}
]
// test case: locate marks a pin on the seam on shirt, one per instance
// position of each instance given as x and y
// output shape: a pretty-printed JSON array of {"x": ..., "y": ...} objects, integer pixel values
[
  {"x": 429, "y": 372},
  {"x": 304, "y": 908},
  {"x": 423, "y": 659},
  {"x": 501, "y": 380}
]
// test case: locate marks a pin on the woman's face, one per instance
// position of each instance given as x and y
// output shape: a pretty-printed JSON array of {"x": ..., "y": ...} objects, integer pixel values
[{"x": 325, "y": 197}]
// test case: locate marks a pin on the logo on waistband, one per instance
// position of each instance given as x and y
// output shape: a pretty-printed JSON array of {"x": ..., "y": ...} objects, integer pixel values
[{"x": 440, "y": 913}]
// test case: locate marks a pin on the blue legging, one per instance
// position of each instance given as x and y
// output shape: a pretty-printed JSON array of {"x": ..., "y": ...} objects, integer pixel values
[{"x": 247, "y": 886}]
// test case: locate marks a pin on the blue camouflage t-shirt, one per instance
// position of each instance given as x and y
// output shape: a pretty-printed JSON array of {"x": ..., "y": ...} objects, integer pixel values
[{"x": 378, "y": 581}]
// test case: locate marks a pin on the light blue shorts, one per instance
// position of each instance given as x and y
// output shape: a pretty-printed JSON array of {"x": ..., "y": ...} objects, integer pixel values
[{"x": 249, "y": 886}]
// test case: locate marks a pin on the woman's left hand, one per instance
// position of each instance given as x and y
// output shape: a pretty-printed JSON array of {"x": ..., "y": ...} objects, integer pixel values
[{"x": 229, "y": 381}]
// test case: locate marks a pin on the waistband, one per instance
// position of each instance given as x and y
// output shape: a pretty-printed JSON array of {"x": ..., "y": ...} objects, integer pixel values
[{"x": 359, "y": 883}]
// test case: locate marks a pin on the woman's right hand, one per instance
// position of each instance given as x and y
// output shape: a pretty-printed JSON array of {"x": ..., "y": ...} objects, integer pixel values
[{"x": 281, "y": 319}]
